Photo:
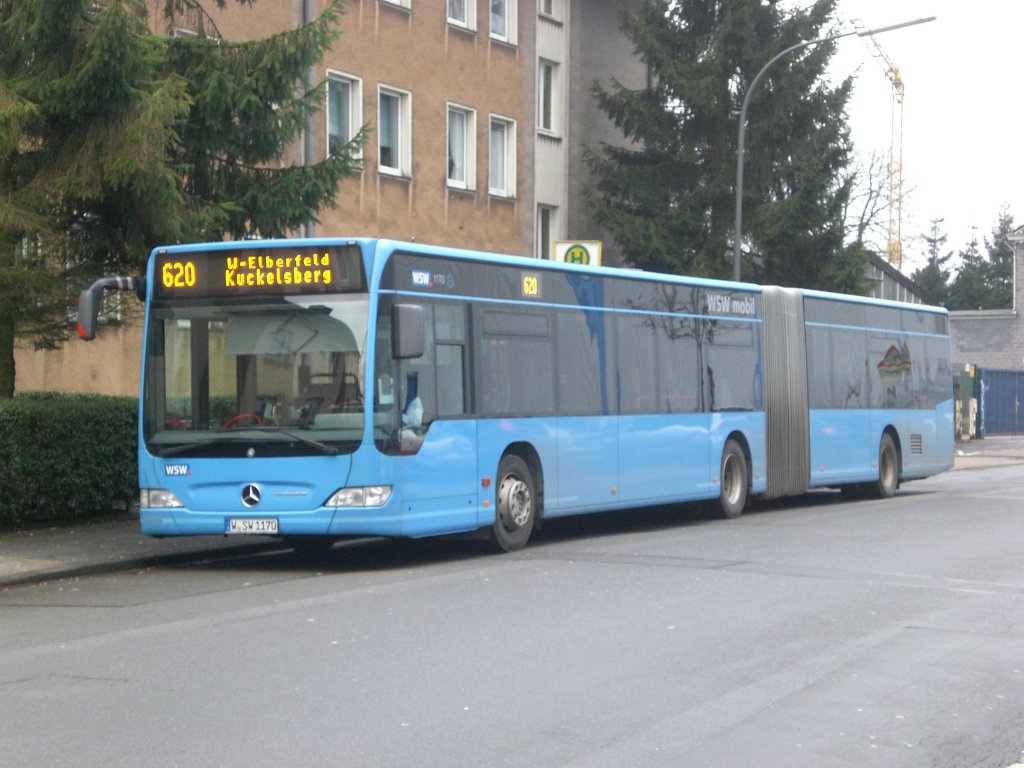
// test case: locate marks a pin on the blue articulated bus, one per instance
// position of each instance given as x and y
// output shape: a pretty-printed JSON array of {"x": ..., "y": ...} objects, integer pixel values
[{"x": 316, "y": 389}]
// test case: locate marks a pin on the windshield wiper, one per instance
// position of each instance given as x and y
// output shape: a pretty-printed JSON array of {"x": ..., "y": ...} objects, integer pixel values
[
  {"x": 177, "y": 448},
  {"x": 330, "y": 450}
]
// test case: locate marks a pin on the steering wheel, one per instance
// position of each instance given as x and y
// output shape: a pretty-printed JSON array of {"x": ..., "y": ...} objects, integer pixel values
[{"x": 238, "y": 418}]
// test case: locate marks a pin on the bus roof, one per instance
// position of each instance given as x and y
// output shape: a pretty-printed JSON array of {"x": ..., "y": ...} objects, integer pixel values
[{"x": 386, "y": 246}]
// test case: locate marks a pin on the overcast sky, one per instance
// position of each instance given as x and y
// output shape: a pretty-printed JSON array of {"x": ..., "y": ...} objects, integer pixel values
[{"x": 963, "y": 153}]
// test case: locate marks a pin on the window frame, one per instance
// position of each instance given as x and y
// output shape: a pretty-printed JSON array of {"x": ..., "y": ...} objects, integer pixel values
[
  {"x": 468, "y": 182},
  {"x": 509, "y": 160},
  {"x": 403, "y": 142},
  {"x": 510, "y": 15},
  {"x": 550, "y": 11},
  {"x": 547, "y": 97},
  {"x": 467, "y": 23},
  {"x": 355, "y": 108},
  {"x": 544, "y": 230}
]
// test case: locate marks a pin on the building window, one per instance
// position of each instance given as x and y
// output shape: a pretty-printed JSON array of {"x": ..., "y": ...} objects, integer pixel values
[
  {"x": 344, "y": 109},
  {"x": 191, "y": 23},
  {"x": 545, "y": 228},
  {"x": 462, "y": 13},
  {"x": 461, "y": 147},
  {"x": 546, "y": 94},
  {"x": 394, "y": 124},
  {"x": 503, "y": 20},
  {"x": 400, "y": 3},
  {"x": 501, "y": 157},
  {"x": 546, "y": 7}
]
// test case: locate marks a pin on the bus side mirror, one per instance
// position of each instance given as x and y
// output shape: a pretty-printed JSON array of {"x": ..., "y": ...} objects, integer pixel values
[
  {"x": 91, "y": 298},
  {"x": 408, "y": 331}
]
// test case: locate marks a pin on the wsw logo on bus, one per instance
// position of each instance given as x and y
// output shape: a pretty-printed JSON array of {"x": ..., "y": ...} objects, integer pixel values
[
  {"x": 727, "y": 304},
  {"x": 423, "y": 279}
]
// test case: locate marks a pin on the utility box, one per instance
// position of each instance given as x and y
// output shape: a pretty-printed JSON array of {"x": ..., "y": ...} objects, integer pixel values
[{"x": 965, "y": 404}]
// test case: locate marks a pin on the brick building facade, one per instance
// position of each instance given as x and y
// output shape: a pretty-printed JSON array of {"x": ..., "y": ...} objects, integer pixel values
[{"x": 477, "y": 109}]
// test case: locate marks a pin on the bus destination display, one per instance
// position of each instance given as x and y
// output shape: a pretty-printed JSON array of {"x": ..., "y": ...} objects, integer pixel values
[{"x": 225, "y": 273}]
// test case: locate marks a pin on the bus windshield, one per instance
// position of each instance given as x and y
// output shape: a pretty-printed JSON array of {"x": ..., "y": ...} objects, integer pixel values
[{"x": 278, "y": 377}]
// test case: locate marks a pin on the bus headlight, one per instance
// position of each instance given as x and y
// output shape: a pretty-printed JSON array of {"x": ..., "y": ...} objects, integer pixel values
[
  {"x": 158, "y": 498},
  {"x": 367, "y": 496}
]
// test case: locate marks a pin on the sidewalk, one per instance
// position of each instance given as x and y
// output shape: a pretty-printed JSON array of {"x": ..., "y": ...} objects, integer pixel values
[
  {"x": 991, "y": 452},
  {"x": 106, "y": 546},
  {"x": 115, "y": 544}
]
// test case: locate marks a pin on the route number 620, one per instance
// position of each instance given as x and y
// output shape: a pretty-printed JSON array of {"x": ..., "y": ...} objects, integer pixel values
[{"x": 178, "y": 274}]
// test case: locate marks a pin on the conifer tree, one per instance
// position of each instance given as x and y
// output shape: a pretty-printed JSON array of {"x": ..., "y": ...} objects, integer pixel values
[
  {"x": 984, "y": 279},
  {"x": 114, "y": 139},
  {"x": 933, "y": 277},
  {"x": 969, "y": 289},
  {"x": 668, "y": 196},
  {"x": 1000, "y": 263}
]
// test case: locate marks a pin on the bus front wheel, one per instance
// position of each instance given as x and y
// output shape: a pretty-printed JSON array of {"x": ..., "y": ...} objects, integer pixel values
[
  {"x": 734, "y": 480},
  {"x": 516, "y": 510}
]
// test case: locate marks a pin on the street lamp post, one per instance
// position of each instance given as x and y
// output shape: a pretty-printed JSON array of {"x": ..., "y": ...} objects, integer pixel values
[{"x": 738, "y": 234}]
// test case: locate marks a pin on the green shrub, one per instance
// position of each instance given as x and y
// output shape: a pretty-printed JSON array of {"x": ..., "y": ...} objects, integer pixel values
[{"x": 66, "y": 456}]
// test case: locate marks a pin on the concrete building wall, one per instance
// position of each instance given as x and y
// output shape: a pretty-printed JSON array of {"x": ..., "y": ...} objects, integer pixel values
[
  {"x": 994, "y": 338},
  {"x": 108, "y": 365},
  {"x": 602, "y": 53},
  {"x": 988, "y": 339},
  {"x": 552, "y": 134}
]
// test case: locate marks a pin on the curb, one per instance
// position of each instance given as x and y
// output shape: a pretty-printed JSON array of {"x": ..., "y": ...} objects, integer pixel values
[
  {"x": 84, "y": 569},
  {"x": 984, "y": 460}
]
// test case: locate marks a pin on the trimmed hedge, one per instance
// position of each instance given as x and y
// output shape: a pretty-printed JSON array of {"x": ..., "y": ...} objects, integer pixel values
[{"x": 66, "y": 456}]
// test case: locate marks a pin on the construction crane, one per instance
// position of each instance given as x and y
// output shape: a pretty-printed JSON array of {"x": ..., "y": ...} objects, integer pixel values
[{"x": 892, "y": 72}]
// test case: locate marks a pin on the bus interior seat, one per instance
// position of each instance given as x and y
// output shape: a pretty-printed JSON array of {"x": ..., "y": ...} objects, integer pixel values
[
  {"x": 351, "y": 398},
  {"x": 337, "y": 395}
]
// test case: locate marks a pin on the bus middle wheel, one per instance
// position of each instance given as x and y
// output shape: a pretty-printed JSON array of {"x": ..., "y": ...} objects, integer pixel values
[{"x": 734, "y": 480}]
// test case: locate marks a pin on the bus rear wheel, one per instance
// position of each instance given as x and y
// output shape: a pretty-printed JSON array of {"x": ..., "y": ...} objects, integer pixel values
[
  {"x": 734, "y": 480},
  {"x": 516, "y": 500},
  {"x": 888, "y": 469}
]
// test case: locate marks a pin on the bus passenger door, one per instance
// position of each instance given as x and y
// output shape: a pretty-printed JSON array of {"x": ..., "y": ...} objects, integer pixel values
[{"x": 437, "y": 443}]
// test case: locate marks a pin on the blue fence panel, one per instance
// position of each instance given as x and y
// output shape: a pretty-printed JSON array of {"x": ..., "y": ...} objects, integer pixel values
[{"x": 1000, "y": 402}]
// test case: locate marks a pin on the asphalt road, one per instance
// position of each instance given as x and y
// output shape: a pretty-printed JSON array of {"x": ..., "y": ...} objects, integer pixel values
[{"x": 810, "y": 632}]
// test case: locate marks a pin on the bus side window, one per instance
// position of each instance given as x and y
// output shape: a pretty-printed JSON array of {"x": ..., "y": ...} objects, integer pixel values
[
  {"x": 450, "y": 334},
  {"x": 418, "y": 378},
  {"x": 451, "y": 378},
  {"x": 681, "y": 366},
  {"x": 516, "y": 363},
  {"x": 731, "y": 365},
  {"x": 638, "y": 391}
]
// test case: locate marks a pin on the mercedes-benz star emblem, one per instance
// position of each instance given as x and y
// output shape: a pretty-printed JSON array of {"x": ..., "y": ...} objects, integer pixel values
[{"x": 251, "y": 495}]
